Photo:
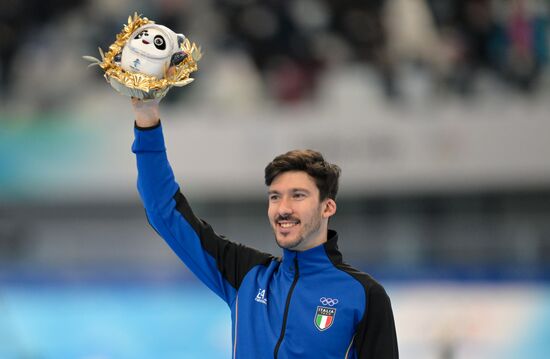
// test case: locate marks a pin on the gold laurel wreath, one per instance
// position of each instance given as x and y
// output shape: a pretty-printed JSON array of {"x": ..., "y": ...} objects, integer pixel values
[{"x": 140, "y": 85}]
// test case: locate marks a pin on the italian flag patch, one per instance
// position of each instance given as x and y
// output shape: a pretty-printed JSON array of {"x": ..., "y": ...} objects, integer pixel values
[{"x": 324, "y": 317}]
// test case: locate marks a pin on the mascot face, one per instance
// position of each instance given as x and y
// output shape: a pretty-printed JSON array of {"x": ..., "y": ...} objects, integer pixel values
[
  {"x": 152, "y": 42},
  {"x": 149, "y": 50}
]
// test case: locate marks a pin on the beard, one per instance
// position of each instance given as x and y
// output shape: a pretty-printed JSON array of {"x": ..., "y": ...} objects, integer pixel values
[{"x": 307, "y": 231}]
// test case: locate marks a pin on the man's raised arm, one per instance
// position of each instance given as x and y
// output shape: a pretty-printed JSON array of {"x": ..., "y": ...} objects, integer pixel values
[{"x": 217, "y": 262}]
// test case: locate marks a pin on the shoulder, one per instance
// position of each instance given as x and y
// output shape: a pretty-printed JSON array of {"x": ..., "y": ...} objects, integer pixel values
[
  {"x": 369, "y": 284},
  {"x": 374, "y": 296},
  {"x": 364, "y": 282}
]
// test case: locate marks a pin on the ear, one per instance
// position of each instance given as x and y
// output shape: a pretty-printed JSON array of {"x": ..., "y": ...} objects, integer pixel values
[
  {"x": 177, "y": 58},
  {"x": 329, "y": 208},
  {"x": 181, "y": 39}
]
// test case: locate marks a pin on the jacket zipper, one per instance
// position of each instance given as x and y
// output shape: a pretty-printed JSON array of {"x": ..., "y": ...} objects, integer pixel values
[{"x": 283, "y": 329}]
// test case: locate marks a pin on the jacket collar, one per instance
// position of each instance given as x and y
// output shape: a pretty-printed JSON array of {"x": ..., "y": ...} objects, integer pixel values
[{"x": 314, "y": 259}]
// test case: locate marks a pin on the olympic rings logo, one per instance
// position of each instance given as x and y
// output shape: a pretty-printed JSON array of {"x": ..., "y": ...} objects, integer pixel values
[{"x": 329, "y": 301}]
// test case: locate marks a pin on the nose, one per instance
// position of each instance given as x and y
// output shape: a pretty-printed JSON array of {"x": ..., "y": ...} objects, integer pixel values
[{"x": 285, "y": 207}]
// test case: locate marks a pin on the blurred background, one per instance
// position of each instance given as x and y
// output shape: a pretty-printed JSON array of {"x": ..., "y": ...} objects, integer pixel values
[{"x": 438, "y": 112}]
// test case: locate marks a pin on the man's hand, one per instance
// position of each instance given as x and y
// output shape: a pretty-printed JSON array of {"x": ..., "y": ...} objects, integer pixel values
[{"x": 147, "y": 112}]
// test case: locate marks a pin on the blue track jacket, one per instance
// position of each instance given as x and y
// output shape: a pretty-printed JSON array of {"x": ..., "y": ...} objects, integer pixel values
[{"x": 308, "y": 304}]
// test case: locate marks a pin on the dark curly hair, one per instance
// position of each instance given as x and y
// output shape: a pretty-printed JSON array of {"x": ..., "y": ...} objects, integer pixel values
[{"x": 325, "y": 174}]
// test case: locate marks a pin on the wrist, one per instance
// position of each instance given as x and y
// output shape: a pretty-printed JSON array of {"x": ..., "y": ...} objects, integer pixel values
[
  {"x": 144, "y": 121},
  {"x": 148, "y": 128},
  {"x": 146, "y": 112}
]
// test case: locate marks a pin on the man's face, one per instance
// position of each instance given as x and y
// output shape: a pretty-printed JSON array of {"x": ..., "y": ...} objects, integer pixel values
[{"x": 297, "y": 216}]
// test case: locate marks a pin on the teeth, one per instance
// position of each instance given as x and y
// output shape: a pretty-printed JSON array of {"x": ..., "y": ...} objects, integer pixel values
[{"x": 287, "y": 225}]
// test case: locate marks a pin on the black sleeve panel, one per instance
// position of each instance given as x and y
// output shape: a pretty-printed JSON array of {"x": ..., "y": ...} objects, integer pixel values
[
  {"x": 233, "y": 260},
  {"x": 376, "y": 337}
]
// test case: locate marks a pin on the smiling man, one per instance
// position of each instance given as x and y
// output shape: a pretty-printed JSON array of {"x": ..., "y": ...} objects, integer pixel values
[
  {"x": 306, "y": 304},
  {"x": 298, "y": 211}
]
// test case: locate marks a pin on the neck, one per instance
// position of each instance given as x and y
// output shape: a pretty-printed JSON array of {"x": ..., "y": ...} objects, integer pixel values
[
  {"x": 316, "y": 238},
  {"x": 313, "y": 260}
]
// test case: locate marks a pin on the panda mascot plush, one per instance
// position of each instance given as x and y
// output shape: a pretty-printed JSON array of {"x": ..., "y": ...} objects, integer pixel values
[
  {"x": 151, "y": 50},
  {"x": 148, "y": 59}
]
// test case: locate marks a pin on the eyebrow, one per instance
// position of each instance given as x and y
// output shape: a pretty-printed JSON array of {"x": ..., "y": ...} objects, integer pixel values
[{"x": 293, "y": 190}]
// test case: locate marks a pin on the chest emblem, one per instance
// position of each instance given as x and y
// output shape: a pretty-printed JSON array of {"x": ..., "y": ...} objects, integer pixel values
[
  {"x": 324, "y": 316},
  {"x": 261, "y": 297}
]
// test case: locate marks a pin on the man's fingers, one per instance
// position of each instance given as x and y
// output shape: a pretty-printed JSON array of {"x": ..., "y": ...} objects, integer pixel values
[
  {"x": 139, "y": 101},
  {"x": 171, "y": 71}
]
